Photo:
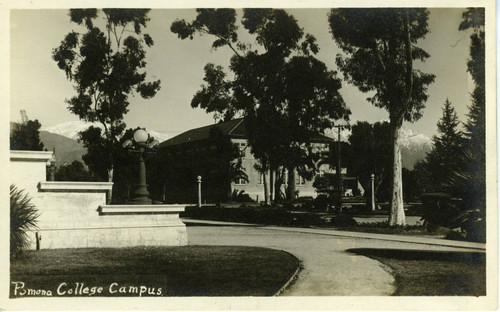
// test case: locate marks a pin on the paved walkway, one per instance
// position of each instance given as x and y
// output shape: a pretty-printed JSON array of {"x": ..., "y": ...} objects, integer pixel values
[{"x": 328, "y": 269}]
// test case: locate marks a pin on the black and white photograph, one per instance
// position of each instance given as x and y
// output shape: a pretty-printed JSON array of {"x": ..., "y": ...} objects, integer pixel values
[{"x": 228, "y": 156}]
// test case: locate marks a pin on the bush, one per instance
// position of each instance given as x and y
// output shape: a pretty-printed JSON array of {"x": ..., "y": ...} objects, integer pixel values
[
  {"x": 343, "y": 220},
  {"x": 321, "y": 202},
  {"x": 307, "y": 206},
  {"x": 23, "y": 217},
  {"x": 265, "y": 216},
  {"x": 241, "y": 197},
  {"x": 442, "y": 209}
]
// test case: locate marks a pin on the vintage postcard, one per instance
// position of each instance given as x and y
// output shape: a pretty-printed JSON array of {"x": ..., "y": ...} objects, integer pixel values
[{"x": 328, "y": 155}]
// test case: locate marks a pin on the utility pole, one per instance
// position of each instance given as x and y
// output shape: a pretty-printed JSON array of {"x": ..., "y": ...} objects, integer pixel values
[{"x": 339, "y": 170}]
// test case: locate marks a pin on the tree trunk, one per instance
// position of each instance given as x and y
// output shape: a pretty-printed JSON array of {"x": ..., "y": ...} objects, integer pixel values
[
  {"x": 271, "y": 185},
  {"x": 291, "y": 183},
  {"x": 266, "y": 188},
  {"x": 397, "y": 216},
  {"x": 278, "y": 181}
]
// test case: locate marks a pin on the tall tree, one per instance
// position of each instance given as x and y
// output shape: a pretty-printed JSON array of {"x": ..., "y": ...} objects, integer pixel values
[
  {"x": 380, "y": 48},
  {"x": 286, "y": 95},
  {"x": 369, "y": 146},
  {"x": 475, "y": 128},
  {"x": 473, "y": 19},
  {"x": 468, "y": 181},
  {"x": 106, "y": 66},
  {"x": 75, "y": 171},
  {"x": 26, "y": 136},
  {"x": 444, "y": 157}
]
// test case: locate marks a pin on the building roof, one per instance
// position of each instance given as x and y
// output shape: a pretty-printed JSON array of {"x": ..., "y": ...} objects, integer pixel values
[
  {"x": 226, "y": 128},
  {"x": 234, "y": 128}
]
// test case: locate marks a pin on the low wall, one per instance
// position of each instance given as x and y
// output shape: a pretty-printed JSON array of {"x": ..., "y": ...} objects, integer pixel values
[{"x": 75, "y": 214}]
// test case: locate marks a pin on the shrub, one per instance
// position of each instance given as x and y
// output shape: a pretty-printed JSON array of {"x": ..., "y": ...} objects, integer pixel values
[
  {"x": 241, "y": 197},
  {"x": 23, "y": 217},
  {"x": 343, "y": 220},
  {"x": 321, "y": 202},
  {"x": 442, "y": 209},
  {"x": 254, "y": 215},
  {"x": 307, "y": 206}
]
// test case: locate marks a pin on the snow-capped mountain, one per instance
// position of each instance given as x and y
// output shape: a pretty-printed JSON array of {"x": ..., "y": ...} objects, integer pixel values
[
  {"x": 70, "y": 129},
  {"x": 410, "y": 138},
  {"x": 414, "y": 146}
]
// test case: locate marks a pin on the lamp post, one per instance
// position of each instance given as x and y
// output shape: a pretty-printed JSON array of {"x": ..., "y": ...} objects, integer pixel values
[
  {"x": 372, "y": 176},
  {"x": 198, "y": 179},
  {"x": 51, "y": 163},
  {"x": 139, "y": 144}
]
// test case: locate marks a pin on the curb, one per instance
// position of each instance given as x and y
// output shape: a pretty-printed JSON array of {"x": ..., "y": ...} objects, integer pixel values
[
  {"x": 360, "y": 235},
  {"x": 292, "y": 278},
  {"x": 386, "y": 237}
]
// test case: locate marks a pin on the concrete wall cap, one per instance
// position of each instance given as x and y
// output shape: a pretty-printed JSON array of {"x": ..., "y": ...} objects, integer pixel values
[
  {"x": 41, "y": 156},
  {"x": 67, "y": 186},
  {"x": 104, "y": 209}
]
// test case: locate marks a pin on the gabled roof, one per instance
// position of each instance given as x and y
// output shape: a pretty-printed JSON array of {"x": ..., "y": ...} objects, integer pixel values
[{"x": 233, "y": 128}]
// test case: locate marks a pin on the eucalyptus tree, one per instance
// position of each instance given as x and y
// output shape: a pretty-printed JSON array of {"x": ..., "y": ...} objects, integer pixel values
[
  {"x": 379, "y": 51},
  {"x": 106, "y": 65},
  {"x": 285, "y": 93}
]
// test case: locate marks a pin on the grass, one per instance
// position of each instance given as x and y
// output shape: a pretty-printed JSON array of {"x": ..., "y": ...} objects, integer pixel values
[
  {"x": 432, "y": 273},
  {"x": 165, "y": 271}
]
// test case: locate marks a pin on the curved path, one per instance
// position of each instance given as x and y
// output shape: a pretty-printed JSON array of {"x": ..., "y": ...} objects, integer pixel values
[{"x": 328, "y": 269}]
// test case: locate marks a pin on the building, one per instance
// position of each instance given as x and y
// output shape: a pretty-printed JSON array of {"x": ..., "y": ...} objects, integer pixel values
[{"x": 207, "y": 152}]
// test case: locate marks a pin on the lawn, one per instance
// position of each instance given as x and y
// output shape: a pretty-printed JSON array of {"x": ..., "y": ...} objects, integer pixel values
[
  {"x": 432, "y": 273},
  {"x": 152, "y": 271}
]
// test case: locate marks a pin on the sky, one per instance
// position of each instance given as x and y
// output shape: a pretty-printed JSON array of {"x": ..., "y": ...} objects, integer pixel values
[{"x": 40, "y": 87}]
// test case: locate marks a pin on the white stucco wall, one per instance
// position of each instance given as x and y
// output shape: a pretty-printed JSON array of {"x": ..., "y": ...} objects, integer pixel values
[
  {"x": 28, "y": 168},
  {"x": 75, "y": 215}
]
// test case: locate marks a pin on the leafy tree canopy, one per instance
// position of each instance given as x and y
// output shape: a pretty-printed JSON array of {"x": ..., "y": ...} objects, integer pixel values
[
  {"x": 106, "y": 64},
  {"x": 26, "y": 136},
  {"x": 380, "y": 47},
  {"x": 75, "y": 171},
  {"x": 369, "y": 146},
  {"x": 286, "y": 94}
]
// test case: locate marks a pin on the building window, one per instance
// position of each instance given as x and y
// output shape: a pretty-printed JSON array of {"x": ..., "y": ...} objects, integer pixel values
[
  {"x": 241, "y": 181},
  {"x": 261, "y": 179},
  {"x": 242, "y": 147},
  {"x": 299, "y": 180}
]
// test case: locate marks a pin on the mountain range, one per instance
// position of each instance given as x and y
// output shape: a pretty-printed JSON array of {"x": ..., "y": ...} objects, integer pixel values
[
  {"x": 414, "y": 146},
  {"x": 63, "y": 137},
  {"x": 70, "y": 129}
]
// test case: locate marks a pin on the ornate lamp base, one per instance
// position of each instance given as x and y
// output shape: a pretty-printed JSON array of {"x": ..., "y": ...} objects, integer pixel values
[{"x": 140, "y": 195}]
